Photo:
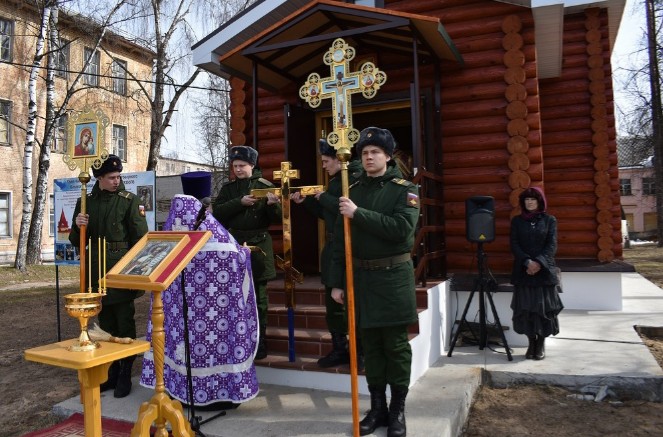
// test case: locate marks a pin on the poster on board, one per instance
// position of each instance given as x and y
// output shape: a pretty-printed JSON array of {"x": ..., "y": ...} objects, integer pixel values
[{"x": 67, "y": 191}]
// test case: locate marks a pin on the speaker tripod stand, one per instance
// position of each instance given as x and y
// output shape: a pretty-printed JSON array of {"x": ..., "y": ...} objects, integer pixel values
[{"x": 481, "y": 286}]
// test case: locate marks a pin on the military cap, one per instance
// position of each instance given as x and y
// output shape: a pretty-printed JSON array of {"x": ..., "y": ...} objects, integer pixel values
[
  {"x": 197, "y": 184},
  {"x": 244, "y": 153},
  {"x": 374, "y": 136},
  {"x": 326, "y": 149},
  {"x": 111, "y": 164}
]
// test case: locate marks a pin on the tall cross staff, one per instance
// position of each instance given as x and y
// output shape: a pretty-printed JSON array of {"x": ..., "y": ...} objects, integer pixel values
[
  {"x": 292, "y": 275},
  {"x": 339, "y": 87}
]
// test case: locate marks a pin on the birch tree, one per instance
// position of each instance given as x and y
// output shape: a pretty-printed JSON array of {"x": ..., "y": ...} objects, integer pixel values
[{"x": 28, "y": 249}]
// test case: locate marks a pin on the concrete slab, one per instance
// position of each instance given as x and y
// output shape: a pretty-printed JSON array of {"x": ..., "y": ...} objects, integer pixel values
[{"x": 593, "y": 347}]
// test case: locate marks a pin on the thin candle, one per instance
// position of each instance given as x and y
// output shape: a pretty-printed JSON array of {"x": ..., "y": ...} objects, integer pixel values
[
  {"x": 89, "y": 266},
  {"x": 105, "y": 264},
  {"x": 99, "y": 263}
]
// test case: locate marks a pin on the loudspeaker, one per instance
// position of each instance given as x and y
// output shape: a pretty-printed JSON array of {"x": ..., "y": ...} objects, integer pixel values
[{"x": 480, "y": 219}]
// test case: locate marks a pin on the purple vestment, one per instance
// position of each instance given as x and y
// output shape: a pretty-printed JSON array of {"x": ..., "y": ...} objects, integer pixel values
[{"x": 223, "y": 317}]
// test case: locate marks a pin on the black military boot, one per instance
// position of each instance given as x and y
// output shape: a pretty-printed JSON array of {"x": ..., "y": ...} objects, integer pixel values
[
  {"x": 378, "y": 415},
  {"x": 540, "y": 348},
  {"x": 529, "y": 355},
  {"x": 397, "y": 412},
  {"x": 339, "y": 353},
  {"x": 261, "y": 353},
  {"x": 123, "y": 386},
  {"x": 111, "y": 382}
]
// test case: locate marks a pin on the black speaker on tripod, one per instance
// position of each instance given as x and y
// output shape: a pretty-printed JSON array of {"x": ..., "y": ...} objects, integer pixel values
[{"x": 480, "y": 219}]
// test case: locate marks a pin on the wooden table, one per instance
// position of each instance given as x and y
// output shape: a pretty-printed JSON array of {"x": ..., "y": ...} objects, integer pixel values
[{"x": 92, "y": 369}]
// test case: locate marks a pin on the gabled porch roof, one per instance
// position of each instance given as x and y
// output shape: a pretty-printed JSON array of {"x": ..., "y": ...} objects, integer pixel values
[{"x": 292, "y": 46}]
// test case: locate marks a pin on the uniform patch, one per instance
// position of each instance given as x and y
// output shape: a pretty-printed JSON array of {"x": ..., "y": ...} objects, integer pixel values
[
  {"x": 412, "y": 200},
  {"x": 141, "y": 210}
]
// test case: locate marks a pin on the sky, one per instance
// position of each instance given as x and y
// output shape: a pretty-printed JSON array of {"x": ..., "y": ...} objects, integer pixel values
[{"x": 183, "y": 130}]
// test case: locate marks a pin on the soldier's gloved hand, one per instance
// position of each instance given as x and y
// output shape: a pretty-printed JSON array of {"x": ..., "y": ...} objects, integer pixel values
[{"x": 338, "y": 294}]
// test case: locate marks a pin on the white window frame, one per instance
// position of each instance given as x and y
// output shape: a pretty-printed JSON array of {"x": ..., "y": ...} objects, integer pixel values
[
  {"x": 91, "y": 76},
  {"x": 6, "y": 118},
  {"x": 8, "y": 196},
  {"x": 120, "y": 142},
  {"x": 6, "y": 39},
  {"x": 59, "y": 141},
  {"x": 119, "y": 72}
]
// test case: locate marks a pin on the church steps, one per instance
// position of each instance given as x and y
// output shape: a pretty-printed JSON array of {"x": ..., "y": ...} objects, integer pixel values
[{"x": 312, "y": 339}]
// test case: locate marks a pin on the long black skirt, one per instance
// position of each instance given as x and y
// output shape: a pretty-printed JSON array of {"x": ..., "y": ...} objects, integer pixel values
[{"x": 535, "y": 310}]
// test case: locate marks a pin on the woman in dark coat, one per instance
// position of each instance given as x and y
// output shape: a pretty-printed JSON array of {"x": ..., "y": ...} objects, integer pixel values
[{"x": 536, "y": 301}]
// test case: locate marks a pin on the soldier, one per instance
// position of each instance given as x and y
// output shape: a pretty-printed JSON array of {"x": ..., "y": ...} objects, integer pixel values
[
  {"x": 324, "y": 205},
  {"x": 116, "y": 216},
  {"x": 247, "y": 218},
  {"x": 384, "y": 209}
]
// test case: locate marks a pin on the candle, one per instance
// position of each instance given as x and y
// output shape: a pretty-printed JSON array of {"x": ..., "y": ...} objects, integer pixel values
[
  {"x": 89, "y": 266},
  {"x": 105, "y": 264},
  {"x": 99, "y": 264}
]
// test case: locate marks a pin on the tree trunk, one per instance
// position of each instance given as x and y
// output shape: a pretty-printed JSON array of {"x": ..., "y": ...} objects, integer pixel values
[
  {"x": 657, "y": 113},
  {"x": 26, "y": 217}
]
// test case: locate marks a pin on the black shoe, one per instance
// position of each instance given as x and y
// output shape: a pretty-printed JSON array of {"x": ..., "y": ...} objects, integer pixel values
[
  {"x": 540, "y": 348},
  {"x": 339, "y": 354},
  {"x": 123, "y": 386},
  {"x": 529, "y": 355},
  {"x": 378, "y": 415},
  {"x": 111, "y": 382},
  {"x": 261, "y": 353},
  {"x": 397, "y": 412}
]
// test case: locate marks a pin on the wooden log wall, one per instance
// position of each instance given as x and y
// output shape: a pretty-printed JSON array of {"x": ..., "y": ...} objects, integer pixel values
[
  {"x": 580, "y": 154},
  {"x": 491, "y": 129}
]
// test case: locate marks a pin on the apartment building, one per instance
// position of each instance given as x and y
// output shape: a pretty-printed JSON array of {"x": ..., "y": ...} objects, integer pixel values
[{"x": 105, "y": 86}]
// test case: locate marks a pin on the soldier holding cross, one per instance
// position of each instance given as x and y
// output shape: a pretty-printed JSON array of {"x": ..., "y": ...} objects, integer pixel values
[{"x": 248, "y": 218}]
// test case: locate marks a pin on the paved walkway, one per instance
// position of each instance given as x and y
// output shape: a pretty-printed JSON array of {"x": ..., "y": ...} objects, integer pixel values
[{"x": 593, "y": 348}]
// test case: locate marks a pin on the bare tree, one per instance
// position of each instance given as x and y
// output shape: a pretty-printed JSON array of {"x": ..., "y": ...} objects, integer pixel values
[
  {"x": 641, "y": 116},
  {"x": 28, "y": 249}
]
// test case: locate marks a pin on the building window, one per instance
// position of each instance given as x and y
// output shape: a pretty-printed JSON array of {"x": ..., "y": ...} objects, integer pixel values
[
  {"x": 60, "y": 135},
  {"x": 5, "y": 121},
  {"x": 6, "y": 34},
  {"x": 51, "y": 215},
  {"x": 120, "y": 141},
  {"x": 119, "y": 71},
  {"x": 625, "y": 187},
  {"x": 62, "y": 59},
  {"x": 648, "y": 186},
  {"x": 92, "y": 70},
  {"x": 5, "y": 214}
]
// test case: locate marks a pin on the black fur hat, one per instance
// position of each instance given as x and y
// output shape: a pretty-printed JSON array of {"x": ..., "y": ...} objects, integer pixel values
[
  {"x": 111, "y": 164},
  {"x": 244, "y": 153},
  {"x": 326, "y": 149},
  {"x": 374, "y": 136}
]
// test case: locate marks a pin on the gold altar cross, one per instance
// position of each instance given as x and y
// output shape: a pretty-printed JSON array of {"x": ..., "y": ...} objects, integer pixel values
[
  {"x": 286, "y": 173},
  {"x": 339, "y": 87}
]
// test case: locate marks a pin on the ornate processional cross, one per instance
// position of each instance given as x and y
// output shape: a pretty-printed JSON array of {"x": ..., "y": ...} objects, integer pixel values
[
  {"x": 286, "y": 173},
  {"x": 339, "y": 87}
]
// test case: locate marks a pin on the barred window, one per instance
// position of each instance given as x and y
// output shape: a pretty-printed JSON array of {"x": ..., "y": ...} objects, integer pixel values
[
  {"x": 119, "y": 71},
  {"x": 92, "y": 70},
  {"x": 120, "y": 142}
]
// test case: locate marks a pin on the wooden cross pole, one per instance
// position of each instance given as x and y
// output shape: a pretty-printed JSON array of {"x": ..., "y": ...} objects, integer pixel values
[
  {"x": 292, "y": 275},
  {"x": 339, "y": 87}
]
